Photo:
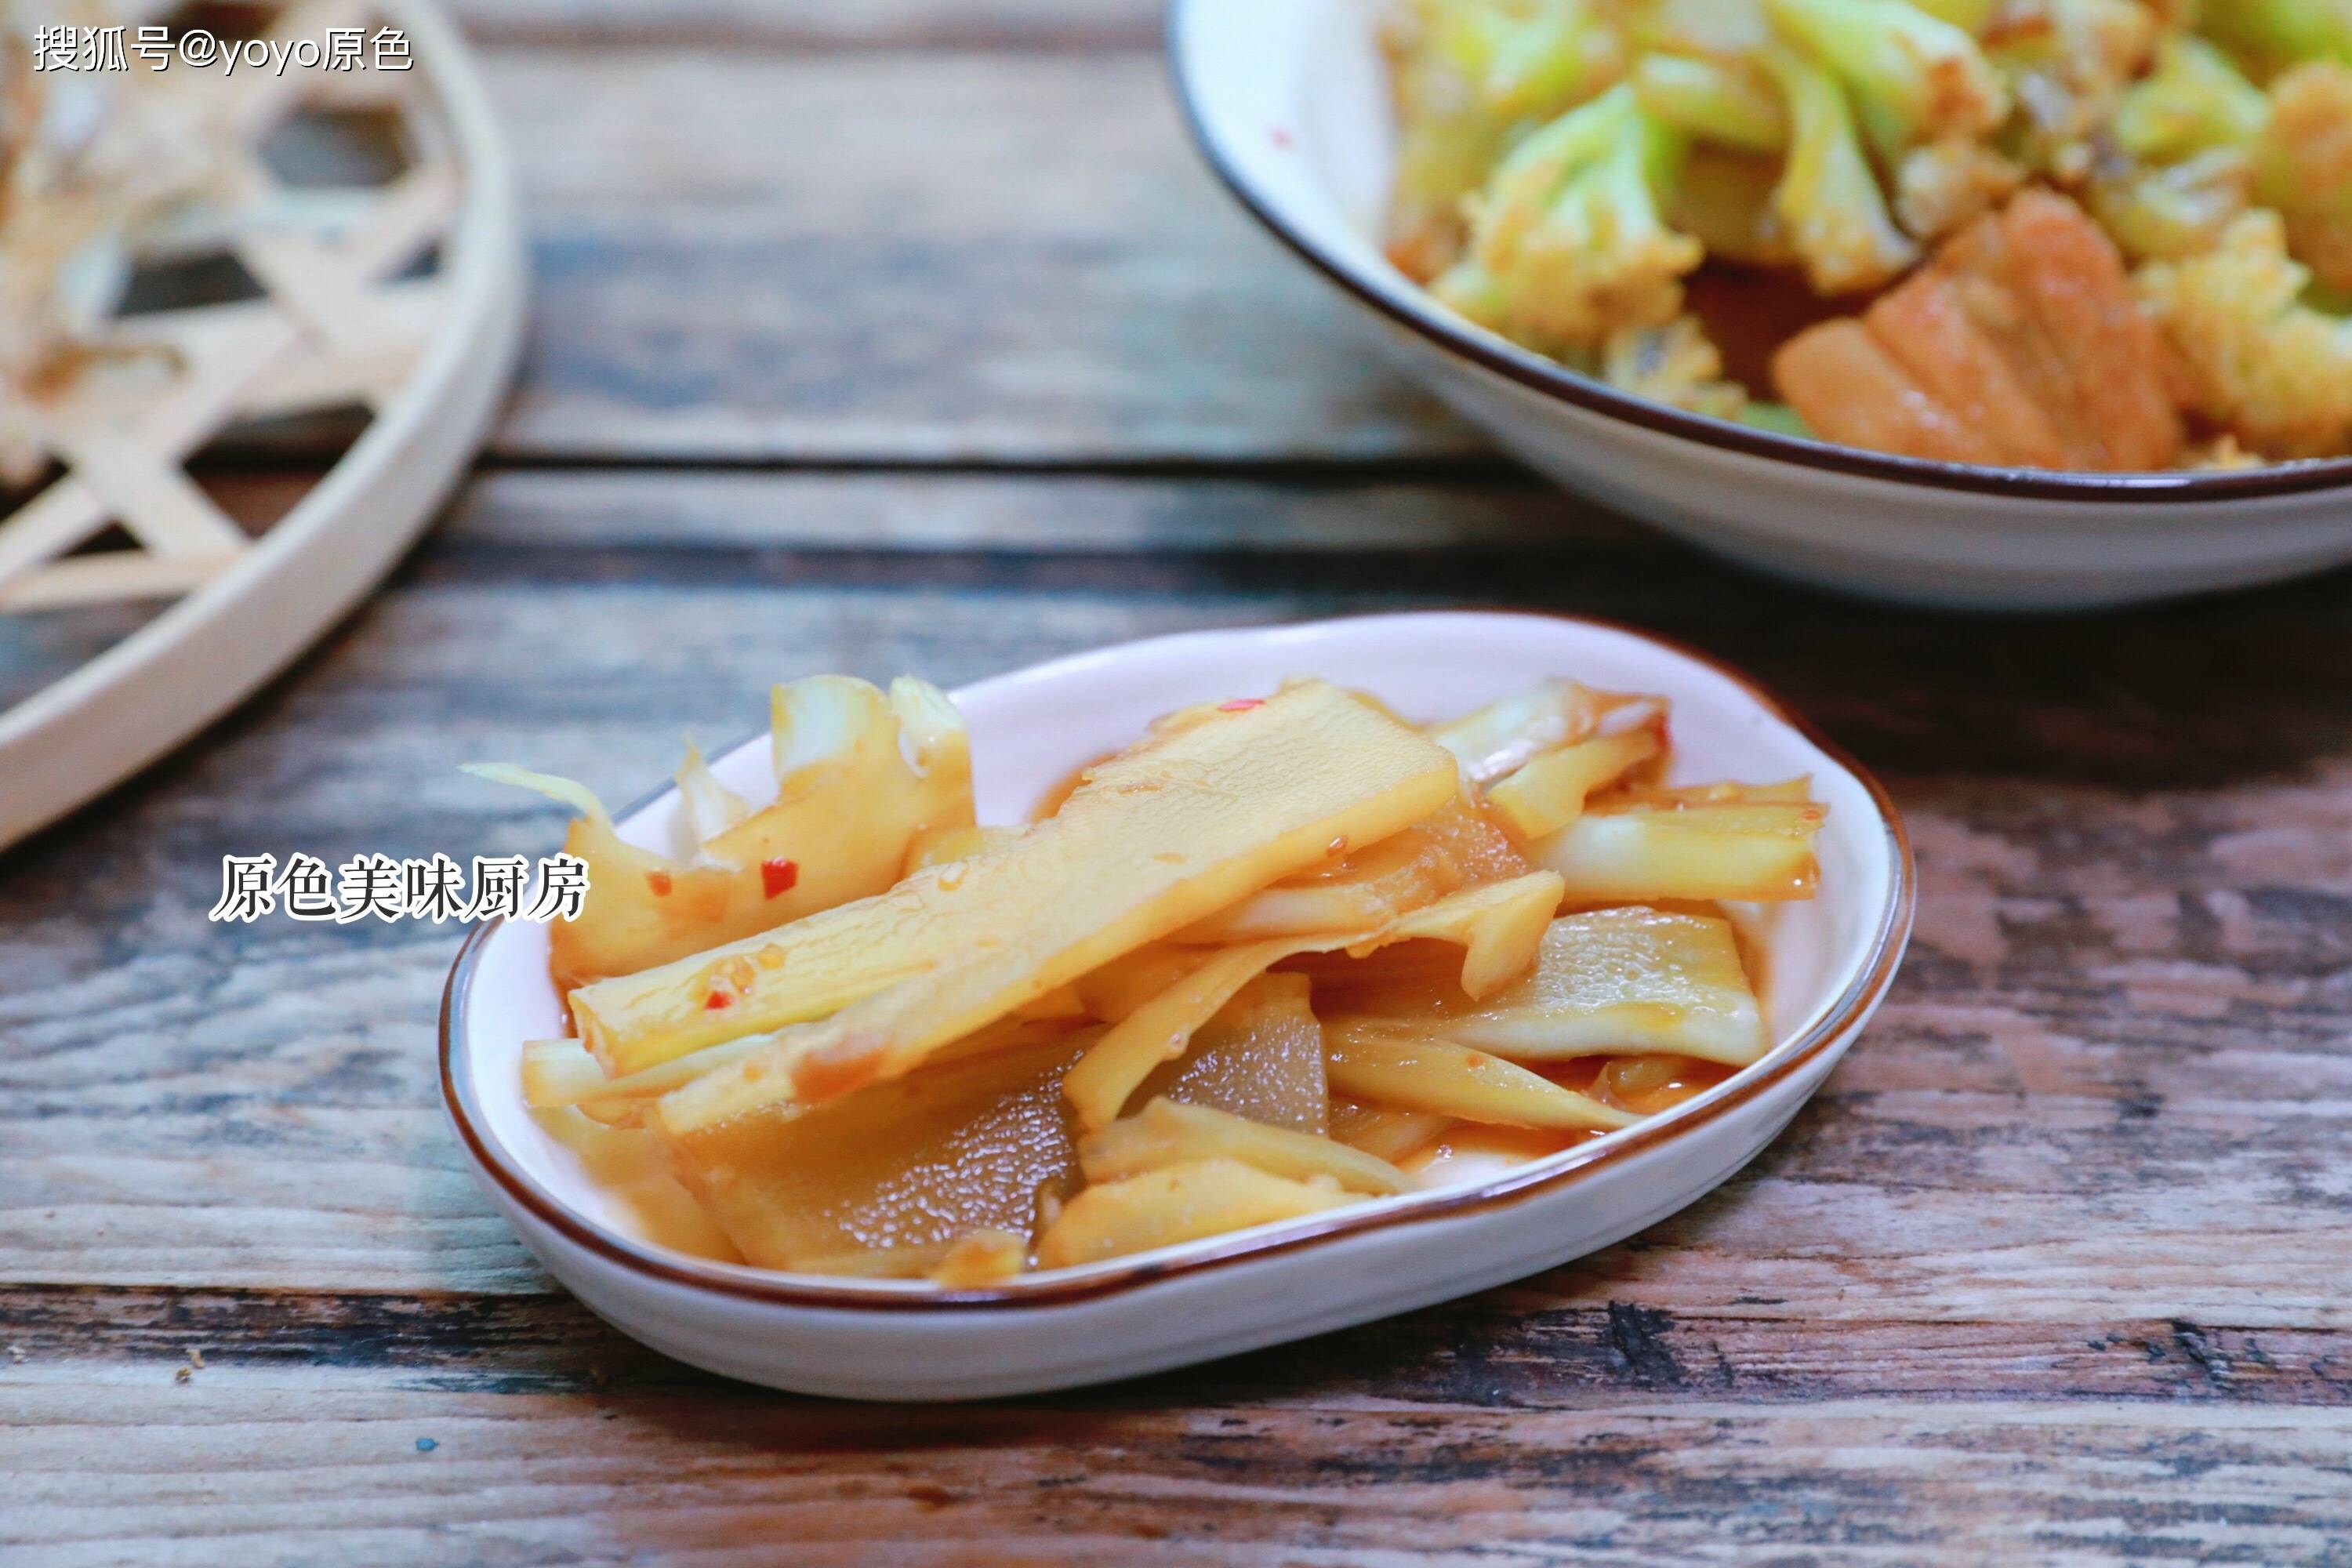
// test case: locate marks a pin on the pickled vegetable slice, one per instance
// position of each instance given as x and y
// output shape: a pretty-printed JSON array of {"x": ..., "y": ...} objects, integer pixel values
[
  {"x": 1611, "y": 981},
  {"x": 1649, "y": 1084},
  {"x": 1497, "y": 926},
  {"x": 1176, "y": 1203},
  {"x": 1261, "y": 1057},
  {"x": 1374, "y": 1060},
  {"x": 1387, "y": 1131},
  {"x": 1356, "y": 891},
  {"x": 1164, "y": 834},
  {"x": 1505, "y": 735},
  {"x": 1166, "y": 1133},
  {"x": 1159, "y": 1031},
  {"x": 916, "y": 1162},
  {"x": 1636, "y": 851},
  {"x": 1549, "y": 792},
  {"x": 859, "y": 776}
]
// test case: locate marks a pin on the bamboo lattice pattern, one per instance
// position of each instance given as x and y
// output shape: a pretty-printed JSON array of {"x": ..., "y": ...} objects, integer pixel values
[{"x": 343, "y": 297}]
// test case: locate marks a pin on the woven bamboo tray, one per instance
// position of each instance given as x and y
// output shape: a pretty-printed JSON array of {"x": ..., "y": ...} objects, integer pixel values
[{"x": 402, "y": 299}]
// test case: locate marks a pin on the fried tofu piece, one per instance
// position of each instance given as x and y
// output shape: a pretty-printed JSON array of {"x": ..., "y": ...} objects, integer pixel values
[{"x": 2022, "y": 344}]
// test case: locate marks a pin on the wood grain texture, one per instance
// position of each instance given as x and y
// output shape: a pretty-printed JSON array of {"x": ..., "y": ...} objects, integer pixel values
[
  {"x": 884, "y": 335},
  {"x": 2108, "y": 1085},
  {"x": 745, "y": 254},
  {"x": 293, "y": 1466},
  {"x": 2052, "y": 1271}
]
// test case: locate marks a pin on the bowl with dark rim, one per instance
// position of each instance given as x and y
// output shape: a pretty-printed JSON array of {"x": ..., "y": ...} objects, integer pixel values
[{"x": 1289, "y": 101}]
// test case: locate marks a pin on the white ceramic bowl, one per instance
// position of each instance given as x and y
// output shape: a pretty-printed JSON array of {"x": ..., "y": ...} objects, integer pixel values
[
  {"x": 1289, "y": 99},
  {"x": 1827, "y": 962}
]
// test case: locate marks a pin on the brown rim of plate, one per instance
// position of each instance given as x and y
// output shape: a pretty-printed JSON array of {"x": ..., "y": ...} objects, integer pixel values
[
  {"x": 1427, "y": 319},
  {"x": 1045, "y": 1289}
]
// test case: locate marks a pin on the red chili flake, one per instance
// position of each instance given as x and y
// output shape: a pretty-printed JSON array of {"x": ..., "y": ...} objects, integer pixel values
[
  {"x": 659, "y": 883},
  {"x": 716, "y": 1000},
  {"x": 779, "y": 876},
  {"x": 1240, "y": 705}
]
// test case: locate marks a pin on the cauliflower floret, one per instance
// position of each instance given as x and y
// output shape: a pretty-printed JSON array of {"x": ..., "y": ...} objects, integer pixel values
[
  {"x": 2177, "y": 167},
  {"x": 2271, "y": 370},
  {"x": 2069, "y": 63},
  {"x": 1946, "y": 185},
  {"x": 1674, "y": 365},
  {"x": 1720, "y": 29},
  {"x": 1713, "y": 102},
  {"x": 2306, "y": 166},
  {"x": 1913, "y": 77},
  {"x": 1529, "y": 57},
  {"x": 1567, "y": 242},
  {"x": 1467, "y": 75},
  {"x": 1828, "y": 201},
  {"x": 2168, "y": 211},
  {"x": 2193, "y": 102}
]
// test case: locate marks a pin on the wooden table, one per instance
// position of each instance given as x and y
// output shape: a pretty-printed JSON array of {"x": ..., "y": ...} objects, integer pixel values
[{"x": 906, "y": 336}]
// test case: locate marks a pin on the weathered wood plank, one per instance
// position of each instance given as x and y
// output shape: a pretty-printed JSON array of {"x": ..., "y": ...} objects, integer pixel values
[
  {"x": 294, "y": 1465},
  {"x": 2110, "y": 1086},
  {"x": 1528, "y": 1347},
  {"x": 747, "y": 254},
  {"x": 711, "y": 514}
]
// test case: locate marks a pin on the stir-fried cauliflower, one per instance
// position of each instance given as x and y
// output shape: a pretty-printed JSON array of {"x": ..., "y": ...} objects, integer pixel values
[{"x": 2257, "y": 362}]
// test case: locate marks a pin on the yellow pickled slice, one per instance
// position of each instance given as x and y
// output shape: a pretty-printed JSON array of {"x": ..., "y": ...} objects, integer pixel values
[
  {"x": 1504, "y": 736},
  {"x": 631, "y": 1173},
  {"x": 1159, "y": 836},
  {"x": 1159, "y": 1031},
  {"x": 1473, "y": 834},
  {"x": 937, "y": 846},
  {"x": 1384, "y": 1132},
  {"x": 1166, "y": 1133},
  {"x": 1649, "y": 1084},
  {"x": 1759, "y": 851},
  {"x": 1130, "y": 980},
  {"x": 916, "y": 1162},
  {"x": 1497, "y": 926},
  {"x": 559, "y": 1072},
  {"x": 711, "y": 808},
  {"x": 1367, "y": 1060},
  {"x": 859, "y": 775},
  {"x": 1626, "y": 981},
  {"x": 982, "y": 1258},
  {"x": 1467, "y": 1152},
  {"x": 1177, "y": 1204},
  {"x": 1549, "y": 793},
  {"x": 1797, "y": 790},
  {"x": 1368, "y": 889},
  {"x": 1261, "y": 1057}
]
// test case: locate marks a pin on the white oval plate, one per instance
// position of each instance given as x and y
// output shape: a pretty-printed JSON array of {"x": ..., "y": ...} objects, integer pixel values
[
  {"x": 1288, "y": 102},
  {"x": 1827, "y": 962}
]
